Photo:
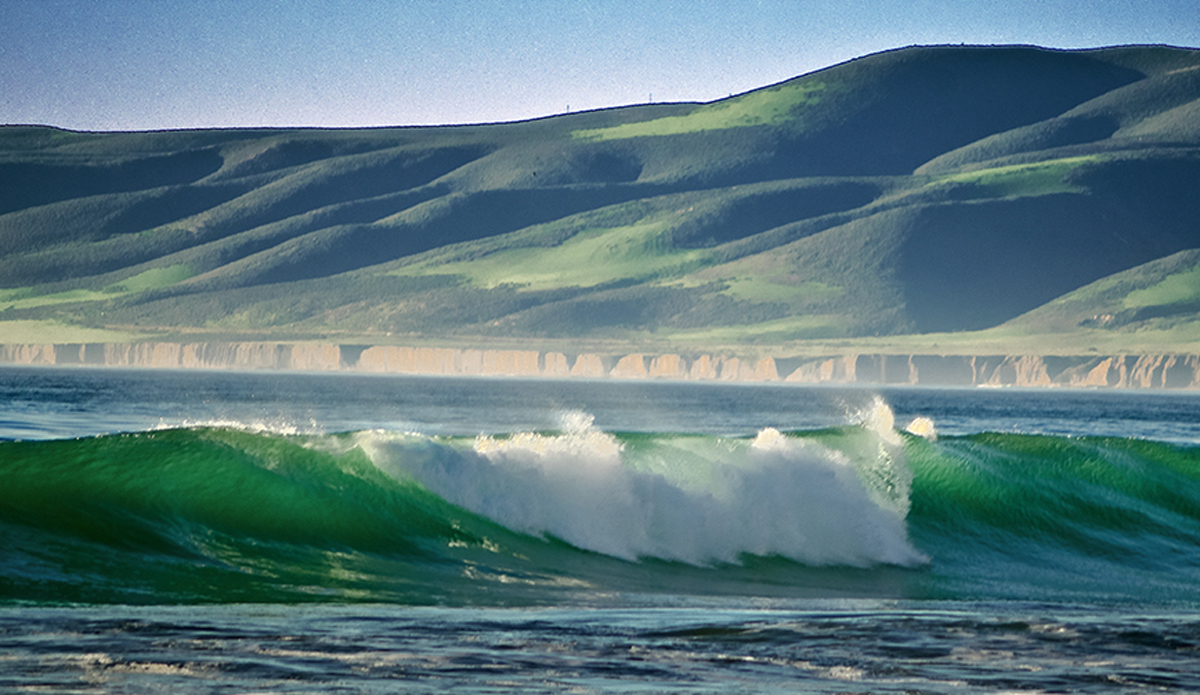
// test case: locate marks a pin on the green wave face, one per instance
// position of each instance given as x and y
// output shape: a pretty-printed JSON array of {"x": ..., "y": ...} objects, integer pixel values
[
  {"x": 209, "y": 514},
  {"x": 225, "y": 515},
  {"x": 1018, "y": 515}
]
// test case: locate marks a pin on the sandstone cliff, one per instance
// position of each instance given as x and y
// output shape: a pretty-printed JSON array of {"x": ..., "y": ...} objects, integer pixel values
[{"x": 1110, "y": 371}]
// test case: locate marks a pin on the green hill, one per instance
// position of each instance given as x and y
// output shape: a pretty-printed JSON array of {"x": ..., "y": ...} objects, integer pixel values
[{"x": 924, "y": 191}]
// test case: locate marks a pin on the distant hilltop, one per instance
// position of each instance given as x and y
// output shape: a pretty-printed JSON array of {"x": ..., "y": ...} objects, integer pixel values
[
  {"x": 1120, "y": 371},
  {"x": 1023, "y": 197}
]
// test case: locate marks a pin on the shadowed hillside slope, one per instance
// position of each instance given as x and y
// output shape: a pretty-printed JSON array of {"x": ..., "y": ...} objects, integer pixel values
[{"x": 922, "y": 190}]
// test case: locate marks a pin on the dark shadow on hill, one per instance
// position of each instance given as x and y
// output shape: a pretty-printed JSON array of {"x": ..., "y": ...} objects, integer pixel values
[
  {"x": 909, "y": 107},
  {"x": 28, "y": 184},
  {"x": 1045, "y": 135},
  {"x": 766, "y": 209},
  {"x": 975, "y": 265},
  {"x": 1160, "y": 190}
]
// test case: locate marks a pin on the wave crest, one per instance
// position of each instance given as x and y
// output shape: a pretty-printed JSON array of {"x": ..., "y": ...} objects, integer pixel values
[{"x": 698, "y": 500}]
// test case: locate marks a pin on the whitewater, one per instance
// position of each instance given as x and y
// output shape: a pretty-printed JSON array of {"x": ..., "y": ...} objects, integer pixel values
[{"x": 196, "y": 532}]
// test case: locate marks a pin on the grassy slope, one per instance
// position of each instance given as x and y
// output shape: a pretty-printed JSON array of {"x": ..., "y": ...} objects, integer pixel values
[{"x": 919, "y": 195}]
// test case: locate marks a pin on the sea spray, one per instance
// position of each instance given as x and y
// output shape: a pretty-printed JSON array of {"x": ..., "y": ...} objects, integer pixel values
[
  {"x": 880, "y": 459},
  {"x": 696, "y": 500}
]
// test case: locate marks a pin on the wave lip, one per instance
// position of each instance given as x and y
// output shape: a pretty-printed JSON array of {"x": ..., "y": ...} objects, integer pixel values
[{"x": 697, "y": 500}]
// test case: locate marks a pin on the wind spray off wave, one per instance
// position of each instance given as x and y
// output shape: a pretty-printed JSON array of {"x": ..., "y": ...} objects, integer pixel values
[{"x": 700, "y": 500}]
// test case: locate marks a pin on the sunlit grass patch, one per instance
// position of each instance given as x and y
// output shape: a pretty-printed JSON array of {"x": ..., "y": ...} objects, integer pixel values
[
  {"x": 779, "y": 330},
  {"x": 33, "y": 332},
  {"x": 773, "y": 106},
  {"x": 154, "y": 279},
  {"x": 763, "y": 289},
  {"x": 1088, "y": 292},
  {"x": 1178, "y": 288},
  {"x": 27, "y": 298},
  {"x": 587, "y": 259},
  {"x": 24, "y": 298},
  {"x": 1036, "y": 178}
]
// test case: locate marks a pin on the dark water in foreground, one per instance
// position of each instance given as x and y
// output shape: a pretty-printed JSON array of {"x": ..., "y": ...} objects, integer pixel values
[{"x": 218, "y": 532}]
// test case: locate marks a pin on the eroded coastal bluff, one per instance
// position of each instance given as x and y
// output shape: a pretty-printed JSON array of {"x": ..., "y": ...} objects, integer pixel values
[{"x": 1169, "y": 371}]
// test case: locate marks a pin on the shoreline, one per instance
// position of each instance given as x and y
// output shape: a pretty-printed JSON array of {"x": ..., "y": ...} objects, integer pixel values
[{"x": 1123, "y": 371}]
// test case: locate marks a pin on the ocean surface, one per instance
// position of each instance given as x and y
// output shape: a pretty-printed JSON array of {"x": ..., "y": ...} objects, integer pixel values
[{"x": 225, "y": 532}]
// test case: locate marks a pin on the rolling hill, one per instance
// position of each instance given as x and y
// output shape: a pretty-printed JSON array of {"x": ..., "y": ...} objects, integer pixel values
[{"x": 951, "y": 195}]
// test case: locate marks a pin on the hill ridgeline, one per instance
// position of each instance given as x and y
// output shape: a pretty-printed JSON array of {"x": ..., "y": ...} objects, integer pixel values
[{"x": 931, "y": 195}]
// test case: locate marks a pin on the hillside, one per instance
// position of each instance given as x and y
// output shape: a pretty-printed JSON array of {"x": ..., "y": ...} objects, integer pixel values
[{"x": 950, "y": 195}]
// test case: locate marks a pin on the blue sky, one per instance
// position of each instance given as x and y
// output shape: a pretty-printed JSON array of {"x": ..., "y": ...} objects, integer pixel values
[{"x": 154, "y": 64}]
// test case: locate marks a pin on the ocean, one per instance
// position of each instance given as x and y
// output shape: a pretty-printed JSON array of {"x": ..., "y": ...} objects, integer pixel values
[{"x": 232, "y": 532}]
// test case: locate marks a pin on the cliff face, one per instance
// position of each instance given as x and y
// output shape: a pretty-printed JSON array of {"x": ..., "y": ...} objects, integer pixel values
[{"x": 1115, "y": 371}]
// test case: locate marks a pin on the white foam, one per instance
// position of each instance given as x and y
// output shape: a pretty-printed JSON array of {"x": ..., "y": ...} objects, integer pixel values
[
  {"x": 275, "y": 426},
  {"x": 878, "y": 418},
  {"x": 693, "y": 499},
  {"x": 880, "y": 461},
  {"x": 922, "y": 427}
]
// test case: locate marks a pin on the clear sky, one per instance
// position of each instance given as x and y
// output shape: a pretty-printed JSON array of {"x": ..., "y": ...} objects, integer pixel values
[{"x": 153, "y": 64}]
